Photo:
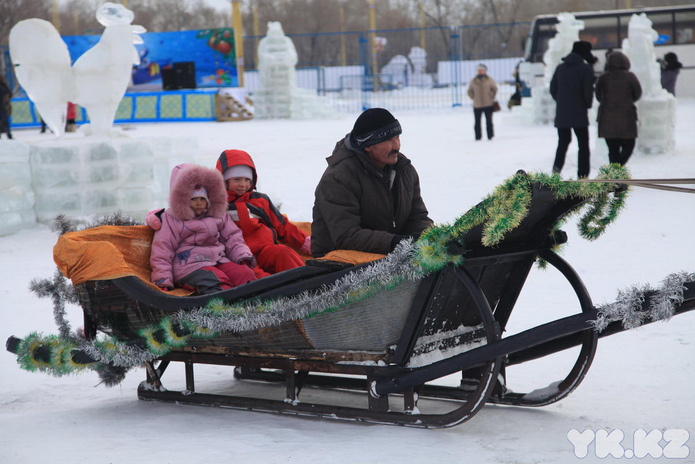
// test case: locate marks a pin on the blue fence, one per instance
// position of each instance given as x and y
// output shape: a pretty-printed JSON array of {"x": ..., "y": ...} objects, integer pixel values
[{"x": 137, "y": 107}]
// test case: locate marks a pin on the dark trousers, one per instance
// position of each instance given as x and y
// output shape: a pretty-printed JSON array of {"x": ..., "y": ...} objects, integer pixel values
[
  {"x": 564, "y": 136},
  {"x": 4, "y": 121},
  {"x": 477, "y": 113},
  {"x": 620, "y": 150}
]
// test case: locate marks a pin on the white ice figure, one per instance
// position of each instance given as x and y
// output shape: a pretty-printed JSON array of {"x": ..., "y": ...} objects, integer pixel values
[
  {"x": 656, "y": 109},
  {"x": 278, "y": 96},
  {"x": 408, "y": 71},
  {"x": 98, "y": 79},
  {"x": 102, "y": 74},
  {"x": 42, "y": 67},
  {"x": 397, "y": 71},
  {"x": 560, "y": 46},
  {"x": 277, "y": 58},
  {"x": 418, "y": 57}
]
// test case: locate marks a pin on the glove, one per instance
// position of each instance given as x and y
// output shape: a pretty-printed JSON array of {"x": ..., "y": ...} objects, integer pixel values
[
  {"x": 154, "y": 219},
  {"x": 398, "y": 238},
  {"x": 306, "y": 247},
  {"x": 249, "y": 261}
]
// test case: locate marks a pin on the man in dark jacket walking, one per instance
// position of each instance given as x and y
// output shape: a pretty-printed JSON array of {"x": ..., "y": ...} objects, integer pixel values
[
  {"x": 368, "y": 198},
  {"x": 572, "y": 87}
]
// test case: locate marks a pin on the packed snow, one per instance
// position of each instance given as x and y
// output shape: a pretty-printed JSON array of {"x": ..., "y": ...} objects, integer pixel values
[{"x": 640, "y": 381}]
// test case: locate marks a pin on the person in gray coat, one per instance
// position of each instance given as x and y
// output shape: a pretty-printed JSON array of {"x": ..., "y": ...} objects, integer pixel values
[
  {"x": 368, "y": 198},
  {"x": 617, "y": 90},
  {"x": 572, "y": 88}
]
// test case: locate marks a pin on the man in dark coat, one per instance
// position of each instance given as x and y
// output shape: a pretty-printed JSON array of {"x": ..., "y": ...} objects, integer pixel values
[
  {"x": 5, "y": 106},
  {"x": 368, "y": 198},
  {"x": 617, "y": 90},
  {"x": 572, "y": 87}
]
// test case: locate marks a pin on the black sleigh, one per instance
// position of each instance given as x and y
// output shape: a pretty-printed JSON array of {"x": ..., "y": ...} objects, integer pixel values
[{"x": 377, "y": 357}]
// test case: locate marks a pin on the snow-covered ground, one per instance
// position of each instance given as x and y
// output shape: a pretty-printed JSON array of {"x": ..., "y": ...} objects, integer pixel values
[{"x": 640, "y": 380}]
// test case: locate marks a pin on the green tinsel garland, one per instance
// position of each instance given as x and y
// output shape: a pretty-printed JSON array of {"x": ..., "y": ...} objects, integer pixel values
[
  {"x": 500, "y": 212},
  {"x": 507, "y": 206}
]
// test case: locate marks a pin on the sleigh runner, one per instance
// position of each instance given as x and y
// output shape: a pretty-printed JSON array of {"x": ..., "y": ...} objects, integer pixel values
[{"x": 380, "y": 333}]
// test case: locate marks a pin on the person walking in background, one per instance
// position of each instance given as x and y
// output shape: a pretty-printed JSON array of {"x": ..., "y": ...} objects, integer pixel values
[
  {"x": 572, "y": 88},
  {"x": 670, "y": 68},
  {"x": 5, "y": 107},
  {"x": 617, "y": 90},
  {"x": 483, "y": 90},
  {"x": 70, "y": 117},
  {"x": 515, "y": 99}
]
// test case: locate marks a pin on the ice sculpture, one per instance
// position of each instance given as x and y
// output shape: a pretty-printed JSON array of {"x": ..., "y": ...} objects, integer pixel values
[
  {"x": 101, "y": 75},
  {"x": 278, "y": 96},
  {"x": 397, "y": 71},
  {"x": 560, "y": 46},
  {"x": 418, "y": 57},
  {"x": 408, "y": 71},
  {"x": 98, "y": 79},
  {"x": 42, "y": 67},
  {"x": 656, "y": 109}
]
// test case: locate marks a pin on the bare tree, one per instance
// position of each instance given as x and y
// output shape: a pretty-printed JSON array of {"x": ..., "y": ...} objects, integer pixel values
[{"x": 13, "y": 11}]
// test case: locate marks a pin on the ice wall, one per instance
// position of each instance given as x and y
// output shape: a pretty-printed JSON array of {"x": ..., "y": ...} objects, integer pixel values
[
  {"x": 279, "y": 97},
  {"x": 86, "y": 178},
  {"x": 656, "y": 109},
  {"x": 16, "y": 194}
]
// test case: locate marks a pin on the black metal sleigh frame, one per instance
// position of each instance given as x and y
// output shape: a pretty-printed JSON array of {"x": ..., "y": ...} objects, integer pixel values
[{"x": 385, "y": 354}]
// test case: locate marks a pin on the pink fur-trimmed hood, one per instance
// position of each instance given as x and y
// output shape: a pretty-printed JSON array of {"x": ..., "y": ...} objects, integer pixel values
[{"x": 184, "y": 179}]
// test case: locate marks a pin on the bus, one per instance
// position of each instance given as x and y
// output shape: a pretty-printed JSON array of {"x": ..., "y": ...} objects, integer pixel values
[{"x": 607, "y": 29}]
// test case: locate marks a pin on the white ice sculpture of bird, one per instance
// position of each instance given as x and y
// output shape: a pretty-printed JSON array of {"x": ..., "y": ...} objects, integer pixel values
[
  {"x": 42, "y": 66},
  {"x": 102, "y": 74},
  {"x": 98, "y": 79}
]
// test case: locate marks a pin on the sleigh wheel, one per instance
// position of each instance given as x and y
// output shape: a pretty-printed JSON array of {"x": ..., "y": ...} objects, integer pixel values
[{"x": 587, "y": 340}]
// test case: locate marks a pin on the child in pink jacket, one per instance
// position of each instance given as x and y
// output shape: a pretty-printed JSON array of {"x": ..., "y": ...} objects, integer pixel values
[{"x": 198, "y": 246}]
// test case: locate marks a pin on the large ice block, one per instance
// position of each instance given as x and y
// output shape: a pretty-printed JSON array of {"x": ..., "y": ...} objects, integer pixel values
[{"x": 16, "y": 194}]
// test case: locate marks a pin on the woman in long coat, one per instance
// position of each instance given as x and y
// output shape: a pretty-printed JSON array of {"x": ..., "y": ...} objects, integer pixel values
[
  {"x": 617, "y": 90},
  {"x": 483, "y": 90}
]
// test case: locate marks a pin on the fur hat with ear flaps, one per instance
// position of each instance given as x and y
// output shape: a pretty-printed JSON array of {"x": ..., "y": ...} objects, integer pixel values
[
  {"x": 187, "y": 177},
  {"x": 583, "y": 49}
]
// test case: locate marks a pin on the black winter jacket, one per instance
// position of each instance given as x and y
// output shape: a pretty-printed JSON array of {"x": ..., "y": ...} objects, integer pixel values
[{"x": 572, "y": 87}]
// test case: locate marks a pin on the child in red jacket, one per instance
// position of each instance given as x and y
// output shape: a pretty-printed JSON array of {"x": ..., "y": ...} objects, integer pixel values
[{"x": 266, "y": 231}]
